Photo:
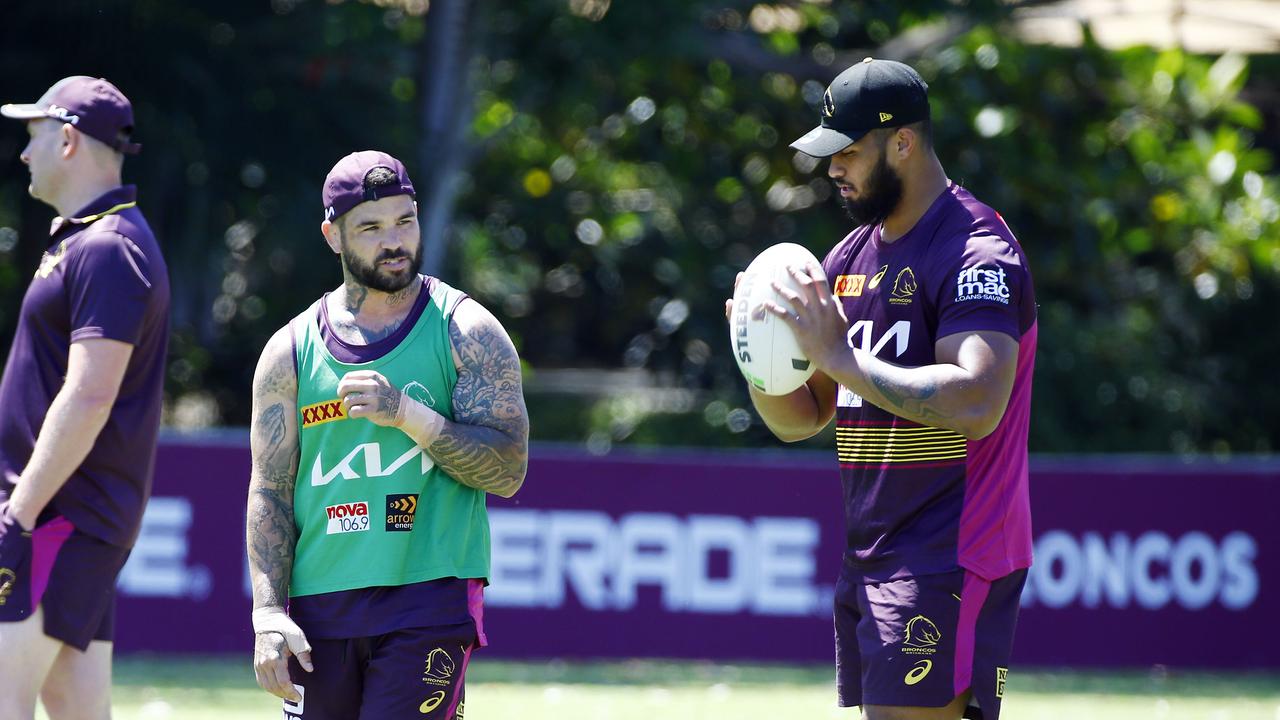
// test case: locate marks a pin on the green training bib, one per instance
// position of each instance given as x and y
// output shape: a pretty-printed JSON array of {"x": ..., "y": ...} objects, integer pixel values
[{"x": 371, "y": 507}]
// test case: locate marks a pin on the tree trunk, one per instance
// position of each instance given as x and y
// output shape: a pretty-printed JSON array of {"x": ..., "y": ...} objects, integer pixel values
[{"x": 446, "y": 105}]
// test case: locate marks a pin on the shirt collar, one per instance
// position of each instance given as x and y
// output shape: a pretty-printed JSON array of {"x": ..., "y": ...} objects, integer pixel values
[{"x": 108, "y": 203}]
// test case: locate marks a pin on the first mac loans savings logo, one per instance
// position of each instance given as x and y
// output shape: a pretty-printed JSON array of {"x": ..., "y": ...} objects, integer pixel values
[{"x": 982, "y": 283}]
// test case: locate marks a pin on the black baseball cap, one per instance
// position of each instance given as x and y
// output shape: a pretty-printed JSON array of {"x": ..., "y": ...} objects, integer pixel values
[{"x": 872, "y": 94}]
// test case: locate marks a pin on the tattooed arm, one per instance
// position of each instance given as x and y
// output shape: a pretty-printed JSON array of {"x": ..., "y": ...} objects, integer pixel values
[
  {"x": 486, "y": 445},
  {"x": 966, "y": 389},
  {"x": 269, "y": 526},
  {"x": 273, "y": 440}
]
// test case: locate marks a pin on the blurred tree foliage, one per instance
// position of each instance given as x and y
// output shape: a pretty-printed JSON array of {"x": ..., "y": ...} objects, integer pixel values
[{"x": 620, "y": 162}]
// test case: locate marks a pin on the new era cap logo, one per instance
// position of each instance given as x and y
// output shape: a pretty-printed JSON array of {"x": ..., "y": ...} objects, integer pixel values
[
  {"x": 828, "y": 104},
  {"x": 885, "y": 117}
]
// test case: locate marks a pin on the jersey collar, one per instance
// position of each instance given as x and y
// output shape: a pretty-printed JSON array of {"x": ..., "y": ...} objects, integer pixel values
[{"x": 109, "y": 203}]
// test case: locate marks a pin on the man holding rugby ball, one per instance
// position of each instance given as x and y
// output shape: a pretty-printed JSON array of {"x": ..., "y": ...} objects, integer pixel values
[{"x": 921, "y": 324}]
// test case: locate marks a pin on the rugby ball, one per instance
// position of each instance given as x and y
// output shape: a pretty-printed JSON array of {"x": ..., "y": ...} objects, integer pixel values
[{"x": 763, "y": 344}]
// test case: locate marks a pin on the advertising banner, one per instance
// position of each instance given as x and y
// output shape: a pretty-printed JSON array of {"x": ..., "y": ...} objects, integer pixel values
[{"x": 733, "y": 556}]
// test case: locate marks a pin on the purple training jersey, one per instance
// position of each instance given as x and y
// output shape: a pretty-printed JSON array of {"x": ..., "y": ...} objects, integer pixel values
[
  {"x": 920, "y": 499},
  {"x": 103, "y": 276}
]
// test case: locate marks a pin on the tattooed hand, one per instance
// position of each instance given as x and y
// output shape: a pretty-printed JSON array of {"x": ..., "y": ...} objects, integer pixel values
[{"x": 368, "y": 394}]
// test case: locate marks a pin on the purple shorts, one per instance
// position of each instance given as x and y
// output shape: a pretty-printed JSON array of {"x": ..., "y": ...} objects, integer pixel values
[
  {"x": 925, "y": 640},
  {"x": 413, "y": 673},
  {"x": 69, "y": 574}
]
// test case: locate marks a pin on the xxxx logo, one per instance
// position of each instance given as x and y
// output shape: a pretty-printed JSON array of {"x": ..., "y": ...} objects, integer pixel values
[
  {"x": 323, "y": 412},
  {"x": 849, "y": 285}
]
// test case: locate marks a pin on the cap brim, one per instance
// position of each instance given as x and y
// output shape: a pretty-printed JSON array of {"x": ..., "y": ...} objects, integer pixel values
[
  {"x": 824, "y": 142},
  {"x": 23, "y": 112}
]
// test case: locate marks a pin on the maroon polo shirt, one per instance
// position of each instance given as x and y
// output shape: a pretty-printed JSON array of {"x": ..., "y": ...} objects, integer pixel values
[{"x": 100, "y": 277}]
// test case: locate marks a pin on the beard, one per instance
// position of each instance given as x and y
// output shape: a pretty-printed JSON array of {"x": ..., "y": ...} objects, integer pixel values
[
  {"x": 881, "y": 194},
  {"x": 375, "y": 278}
]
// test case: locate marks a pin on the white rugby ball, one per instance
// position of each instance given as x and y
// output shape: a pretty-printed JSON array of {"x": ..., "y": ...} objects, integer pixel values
[{"x": 764, "y": 346}]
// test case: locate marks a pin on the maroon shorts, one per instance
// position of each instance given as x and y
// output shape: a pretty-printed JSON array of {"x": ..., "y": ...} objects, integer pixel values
[
  {"x": 413, "y": 673},
  {"x": 69, "y": 574},
  {"x": 923, "y": 641}
]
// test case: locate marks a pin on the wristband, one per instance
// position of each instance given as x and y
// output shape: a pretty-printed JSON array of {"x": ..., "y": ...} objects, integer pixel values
[
  {"x": 273, "y": 619},
  {"x": 420, "y": 422}
]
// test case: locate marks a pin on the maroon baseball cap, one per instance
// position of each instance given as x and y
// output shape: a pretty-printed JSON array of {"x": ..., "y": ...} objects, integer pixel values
[
  {"x": 344, "y": 186},
  {"x": 93, "y": 106}
]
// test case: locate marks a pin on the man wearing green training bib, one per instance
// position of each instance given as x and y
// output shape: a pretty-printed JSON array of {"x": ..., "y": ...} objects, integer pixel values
[{"x": 382, "y": 414}]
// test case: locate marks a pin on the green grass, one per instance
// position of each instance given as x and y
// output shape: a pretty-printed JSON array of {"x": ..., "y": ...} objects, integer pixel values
[{"x": 224, "y": 689}]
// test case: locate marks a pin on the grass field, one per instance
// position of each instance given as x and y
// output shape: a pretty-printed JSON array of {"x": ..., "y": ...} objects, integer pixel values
[{"x": 224, "y": 689}]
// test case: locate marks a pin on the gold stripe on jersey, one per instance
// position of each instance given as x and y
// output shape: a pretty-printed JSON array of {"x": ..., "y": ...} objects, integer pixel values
[{"x": 882, "y": 445}]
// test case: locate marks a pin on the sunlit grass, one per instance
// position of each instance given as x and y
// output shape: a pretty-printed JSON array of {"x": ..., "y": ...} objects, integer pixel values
[{"x": 224, "y": 689}]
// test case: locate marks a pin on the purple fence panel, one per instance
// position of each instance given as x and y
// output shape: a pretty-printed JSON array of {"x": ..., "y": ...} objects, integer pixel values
[
  {"x": 1152, "y": 562},
  {"x": 667, "y": 555},
  {"x": 185, "y": 587},
  {"x": 732, "y": 556}
]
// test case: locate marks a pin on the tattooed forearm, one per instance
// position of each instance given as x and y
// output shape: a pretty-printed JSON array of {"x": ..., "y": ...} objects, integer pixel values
[
  {"x": 273, "y": 439},
  {"x": 913, "y": 404},
  {"x": 487, "y": 444},
  {"x": 271, "y": 541}
]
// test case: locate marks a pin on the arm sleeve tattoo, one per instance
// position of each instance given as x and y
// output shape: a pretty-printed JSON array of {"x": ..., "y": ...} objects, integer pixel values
[
  {"x": 487, "y": 444},
  {"x": 273, "y": 440}
]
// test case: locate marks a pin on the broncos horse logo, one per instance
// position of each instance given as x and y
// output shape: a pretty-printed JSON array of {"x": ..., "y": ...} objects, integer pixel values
[
  {"x": 905, "y": 284},
  {"x": 439, "y": 665},
  {"x": 921, "y": 632},
  {"x": 419, "y": 392},
  {"x": 7, "y": 580}
]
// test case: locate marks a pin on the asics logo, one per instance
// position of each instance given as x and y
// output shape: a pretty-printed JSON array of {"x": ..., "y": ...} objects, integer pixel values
[{"x": 918, "y": 672}]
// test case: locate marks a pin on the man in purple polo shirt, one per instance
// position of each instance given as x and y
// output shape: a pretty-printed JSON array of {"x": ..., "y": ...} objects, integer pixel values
[
  {"x": 922, "y": 326},
  {"x": 81, "y": 395}
]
